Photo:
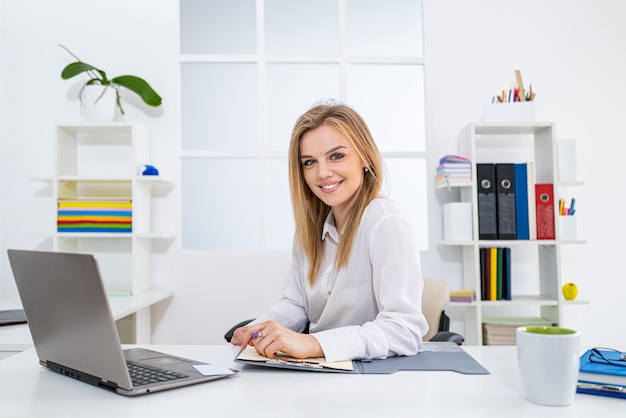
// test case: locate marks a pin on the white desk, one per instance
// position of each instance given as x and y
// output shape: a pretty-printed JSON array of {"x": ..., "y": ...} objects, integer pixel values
[
  {"x": 17, "y": 337},
  {"x": 28, "y": 390}
]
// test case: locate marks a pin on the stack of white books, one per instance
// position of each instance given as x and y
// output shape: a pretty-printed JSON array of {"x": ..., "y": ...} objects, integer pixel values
[{"x": 501, "y": 330}]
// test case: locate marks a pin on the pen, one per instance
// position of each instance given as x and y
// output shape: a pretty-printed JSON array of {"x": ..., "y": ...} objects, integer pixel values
[
  {"x": 603, "y": 387},
  {"x": 571, "y": 206}
]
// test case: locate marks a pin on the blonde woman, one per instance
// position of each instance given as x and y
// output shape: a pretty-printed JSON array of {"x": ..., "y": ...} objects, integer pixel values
[{"x": 357, "y": 280}]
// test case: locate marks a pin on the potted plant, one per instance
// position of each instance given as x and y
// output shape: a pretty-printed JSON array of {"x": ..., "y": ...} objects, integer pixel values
[{"x": 98, "y": 77}]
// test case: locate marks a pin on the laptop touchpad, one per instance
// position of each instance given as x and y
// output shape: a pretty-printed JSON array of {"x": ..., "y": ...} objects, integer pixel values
[{"x": 164, "y": 361}]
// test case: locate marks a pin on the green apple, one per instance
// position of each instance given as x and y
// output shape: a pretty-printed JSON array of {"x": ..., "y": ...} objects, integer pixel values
[{"x": 570, "y": 291}]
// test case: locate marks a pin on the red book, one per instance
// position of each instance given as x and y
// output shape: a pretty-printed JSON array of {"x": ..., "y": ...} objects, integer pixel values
[
  {"x": 485, "y": 273},
  {"x": 544, "y": 202}
]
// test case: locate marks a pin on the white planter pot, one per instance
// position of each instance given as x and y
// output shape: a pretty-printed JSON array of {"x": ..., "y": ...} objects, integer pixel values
[{"x": 98, "y": 103}]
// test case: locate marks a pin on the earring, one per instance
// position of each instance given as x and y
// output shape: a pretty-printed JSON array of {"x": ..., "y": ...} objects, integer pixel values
[{"x": 365, "y": 169}]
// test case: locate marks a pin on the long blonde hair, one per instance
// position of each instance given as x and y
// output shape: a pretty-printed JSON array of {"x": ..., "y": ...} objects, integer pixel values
[{"x": 309, "y": 211}]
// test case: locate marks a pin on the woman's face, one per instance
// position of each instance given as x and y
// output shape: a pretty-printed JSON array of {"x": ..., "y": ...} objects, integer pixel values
[{"x": 332, "y": 169}]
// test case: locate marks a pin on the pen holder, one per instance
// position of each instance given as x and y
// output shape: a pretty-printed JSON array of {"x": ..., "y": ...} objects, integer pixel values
[
  {"x": 567, "y": 228},
  {"x": 510, "y": 112}
]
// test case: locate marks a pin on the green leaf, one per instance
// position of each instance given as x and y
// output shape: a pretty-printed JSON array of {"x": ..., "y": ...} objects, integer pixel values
[
  {"x": 139, "y": 86},
  {"x": 75, "y": 68}
]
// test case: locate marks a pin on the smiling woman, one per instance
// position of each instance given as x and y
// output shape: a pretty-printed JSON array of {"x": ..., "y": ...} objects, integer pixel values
[{"x": 356, "y": 279}]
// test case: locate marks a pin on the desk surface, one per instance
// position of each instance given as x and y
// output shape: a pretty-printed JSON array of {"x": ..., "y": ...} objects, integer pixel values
[
  {"x": 17, "y": 337},
  {"x": 27, "y": 390}
]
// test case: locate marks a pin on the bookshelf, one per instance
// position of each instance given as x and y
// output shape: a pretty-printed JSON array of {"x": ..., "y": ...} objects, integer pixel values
[
  {"x": 101, "y": 162},
  {"x": 536, "y": 271}
]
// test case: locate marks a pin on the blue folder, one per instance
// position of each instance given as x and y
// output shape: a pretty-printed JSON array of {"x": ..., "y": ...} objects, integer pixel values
[{"x": 521, "y": 201}]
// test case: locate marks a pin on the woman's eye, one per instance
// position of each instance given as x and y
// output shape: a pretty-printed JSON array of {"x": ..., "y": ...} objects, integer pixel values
[
  {"x": 336, "y": 156},
  {"x": 307, "y": 163}
]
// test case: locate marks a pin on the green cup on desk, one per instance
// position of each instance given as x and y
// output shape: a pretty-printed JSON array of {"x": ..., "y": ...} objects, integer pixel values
[{"x": 549, "y": 360}]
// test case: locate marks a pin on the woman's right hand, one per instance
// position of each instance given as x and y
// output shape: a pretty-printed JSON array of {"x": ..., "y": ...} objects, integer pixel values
[{"x": 269, "y": 338}]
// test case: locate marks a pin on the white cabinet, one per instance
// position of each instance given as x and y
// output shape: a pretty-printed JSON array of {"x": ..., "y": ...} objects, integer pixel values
[
  {"x": 536, "y": 273},
  {"x": 103, "y": 162}
]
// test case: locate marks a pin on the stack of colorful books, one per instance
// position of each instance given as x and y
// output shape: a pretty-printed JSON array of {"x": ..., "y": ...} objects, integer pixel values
[
  {"x": 95, "y": 216},
  {"x": 453, "y": 171},
  {"x": 463, "y": 295},
  {"x": 495, "y": 273}
]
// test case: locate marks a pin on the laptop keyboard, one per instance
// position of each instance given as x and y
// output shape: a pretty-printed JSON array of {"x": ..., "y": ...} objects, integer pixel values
[{"x": 141, "y": 375}]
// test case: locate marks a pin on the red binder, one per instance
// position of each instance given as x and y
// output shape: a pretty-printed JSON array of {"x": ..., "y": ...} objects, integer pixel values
[{"x": 544, "y": 202}]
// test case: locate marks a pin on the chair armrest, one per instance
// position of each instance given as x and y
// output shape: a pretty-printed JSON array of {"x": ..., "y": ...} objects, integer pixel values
[{"x": 448, "y": 336}]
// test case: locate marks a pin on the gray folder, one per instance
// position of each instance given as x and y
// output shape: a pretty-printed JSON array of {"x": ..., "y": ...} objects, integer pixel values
[{"x": 444, "y": 356}]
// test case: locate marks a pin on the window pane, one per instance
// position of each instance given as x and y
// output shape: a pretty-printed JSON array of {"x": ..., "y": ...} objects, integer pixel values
[
  {"x": 291, "y": 90},
  {"x": 384, "y": 28},
  {"x": 217, "y": 26},
  {"x": 301, "y": 27},
  {"x": 391, "y": 100},
  {"x": 407, "y": 185},
  {"x": 220, "y": 204},
  {"x": 279, "y": 222},
  {"x": 219, "y": 107}
]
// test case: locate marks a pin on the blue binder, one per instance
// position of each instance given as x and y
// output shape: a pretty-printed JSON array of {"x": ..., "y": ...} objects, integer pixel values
[{"x": 521, "y": 201}]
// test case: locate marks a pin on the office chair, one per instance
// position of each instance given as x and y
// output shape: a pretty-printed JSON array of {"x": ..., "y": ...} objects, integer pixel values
[{"x": 434, "y": 299}]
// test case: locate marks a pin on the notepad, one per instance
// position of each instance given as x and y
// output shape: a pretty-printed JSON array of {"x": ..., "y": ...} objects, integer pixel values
[{"x": 250, "y": 354}]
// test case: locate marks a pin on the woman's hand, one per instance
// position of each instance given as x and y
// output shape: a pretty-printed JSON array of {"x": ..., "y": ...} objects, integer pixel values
[{"x": 269, "y": 338}]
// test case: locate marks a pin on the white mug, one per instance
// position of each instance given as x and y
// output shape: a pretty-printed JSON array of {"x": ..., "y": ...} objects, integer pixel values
[{"x": 549, "y": 361}]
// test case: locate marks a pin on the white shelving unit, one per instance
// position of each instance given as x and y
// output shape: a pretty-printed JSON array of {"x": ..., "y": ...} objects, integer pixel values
[
  {"x": 536, "y": 264},
  {"x": 103, "y": 161}
]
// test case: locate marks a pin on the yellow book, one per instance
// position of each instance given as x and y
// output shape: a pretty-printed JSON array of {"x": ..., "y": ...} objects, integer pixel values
[
  {"x": 493, "y": 273},
  {"x": 95, "y": 204}
]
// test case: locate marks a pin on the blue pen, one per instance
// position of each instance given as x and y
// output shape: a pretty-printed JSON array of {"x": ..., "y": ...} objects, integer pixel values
[{"x": 571, "y": 207}]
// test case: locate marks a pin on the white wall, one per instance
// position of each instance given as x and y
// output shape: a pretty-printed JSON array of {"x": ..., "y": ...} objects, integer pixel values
[{"x": 569, "y": 50}]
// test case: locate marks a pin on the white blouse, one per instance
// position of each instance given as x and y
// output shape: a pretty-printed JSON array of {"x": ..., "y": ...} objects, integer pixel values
[{"x": 372, "y": 307}]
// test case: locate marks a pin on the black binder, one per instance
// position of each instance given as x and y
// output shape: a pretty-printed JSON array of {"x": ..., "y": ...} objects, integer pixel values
[
  {"x": 487, "y": 216},
  {"x": 505, "y": 190}
]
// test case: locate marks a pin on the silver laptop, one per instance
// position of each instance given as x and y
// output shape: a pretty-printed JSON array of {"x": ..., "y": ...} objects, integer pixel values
[{"x": 74, "y": 333}]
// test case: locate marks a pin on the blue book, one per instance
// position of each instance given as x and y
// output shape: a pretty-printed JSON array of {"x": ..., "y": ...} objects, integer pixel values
[
  {"x": 603, "y": 373},
  {"x": 521, "y": 201}
]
